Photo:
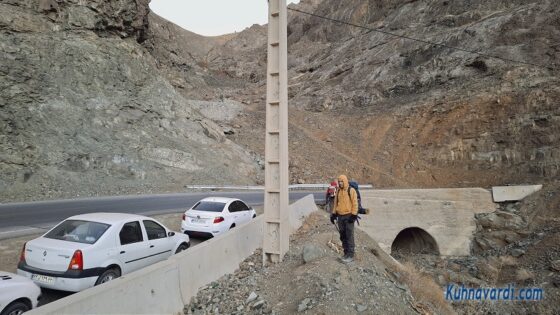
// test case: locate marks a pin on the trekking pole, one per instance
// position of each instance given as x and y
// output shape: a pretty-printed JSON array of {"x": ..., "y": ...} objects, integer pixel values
[{"x": 336, "y": 226}]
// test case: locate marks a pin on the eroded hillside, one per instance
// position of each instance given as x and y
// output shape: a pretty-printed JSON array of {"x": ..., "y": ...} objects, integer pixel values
[
  {"x": 403, "y": 113},
  {"x": 84, "y": 109},
  {"x": 108, "y": 98}
]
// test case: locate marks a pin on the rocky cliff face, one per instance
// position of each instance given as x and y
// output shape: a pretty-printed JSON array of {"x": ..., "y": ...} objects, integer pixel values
[
  {"x": 405, "y": 113},
  {"x": 106, "y": 97},
  {"x": 84, "y": 109}
]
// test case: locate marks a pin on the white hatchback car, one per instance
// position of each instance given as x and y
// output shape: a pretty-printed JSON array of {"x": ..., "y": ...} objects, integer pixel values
[
  {"x": 17, "y": 294},
  {"x": 214, "y": 215},
  {"x": 90, "y": 249}
]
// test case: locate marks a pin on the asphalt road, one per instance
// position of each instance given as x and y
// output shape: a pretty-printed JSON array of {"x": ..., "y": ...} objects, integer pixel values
[
  {"x": 32, "y": 217},
  {"x": 16, "y": 218}
]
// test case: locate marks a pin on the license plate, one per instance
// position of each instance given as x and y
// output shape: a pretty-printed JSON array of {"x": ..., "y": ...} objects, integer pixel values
[
  {"x": 42, "y": 279},
  {"x": 198, "y": 220}
]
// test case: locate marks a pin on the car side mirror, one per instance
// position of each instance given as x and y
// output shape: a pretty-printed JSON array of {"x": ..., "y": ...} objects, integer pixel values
[{"x": 169, "y": 234}]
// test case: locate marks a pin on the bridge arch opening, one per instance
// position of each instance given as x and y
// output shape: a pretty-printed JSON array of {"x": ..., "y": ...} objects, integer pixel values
[{"x": 414, "y": 240}]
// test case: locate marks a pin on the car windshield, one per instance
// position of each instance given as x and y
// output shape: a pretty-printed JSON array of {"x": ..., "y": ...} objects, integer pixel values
[
  {"x": 210, "y": 206},
  {"x": 86, "y": 232}
]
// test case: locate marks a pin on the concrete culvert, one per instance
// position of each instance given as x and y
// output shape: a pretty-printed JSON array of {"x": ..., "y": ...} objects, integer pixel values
[{"x": 414, "y": 241}]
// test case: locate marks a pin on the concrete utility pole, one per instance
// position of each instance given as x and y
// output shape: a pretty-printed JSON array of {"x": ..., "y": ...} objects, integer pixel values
[{"x": 276, "y": 199}]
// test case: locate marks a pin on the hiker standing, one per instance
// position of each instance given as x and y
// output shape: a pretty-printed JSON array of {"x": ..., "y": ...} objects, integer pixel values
[
  {"x": 329, "y": 197},
  {"x": 345, "y": 212}
]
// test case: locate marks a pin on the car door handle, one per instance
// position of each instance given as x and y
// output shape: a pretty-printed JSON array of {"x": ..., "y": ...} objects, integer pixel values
[
  {"x": 152, "y": 246},
  {"x": 122, "y": 252}
]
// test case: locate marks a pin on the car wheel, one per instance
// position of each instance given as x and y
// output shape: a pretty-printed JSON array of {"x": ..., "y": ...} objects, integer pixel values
[
  {"x": 181, "y": 248},
  {"x": 254, "y": 216},
  {"x": 107, "y": 276},
  {"x": 232, "y": 226},
  {"x": 16, "y": 308}
]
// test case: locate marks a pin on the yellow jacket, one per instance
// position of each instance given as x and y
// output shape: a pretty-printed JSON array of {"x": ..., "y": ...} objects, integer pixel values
[{"x": 345, "y": 203}]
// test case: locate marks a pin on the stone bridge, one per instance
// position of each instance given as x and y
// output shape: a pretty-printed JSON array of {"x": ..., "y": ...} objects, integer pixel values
[{"x": 440, "y": 221}]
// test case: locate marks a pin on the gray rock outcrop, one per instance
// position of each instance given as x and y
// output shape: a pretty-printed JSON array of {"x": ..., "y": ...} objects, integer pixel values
[{"x": 85, "y": 110}]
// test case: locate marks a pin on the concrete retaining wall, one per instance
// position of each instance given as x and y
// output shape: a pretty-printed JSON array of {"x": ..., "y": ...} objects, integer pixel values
[
  {"x": 299, "y": 210},
  {"x": 152, "y": 290},
  {"x": 513, "y": 193},
  {"x": 214, "y": 258},
  {"x": 164, "y": 288}
]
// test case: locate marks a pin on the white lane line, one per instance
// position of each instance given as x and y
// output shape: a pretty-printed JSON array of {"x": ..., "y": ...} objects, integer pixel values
[{"x": 21, "y": 230}]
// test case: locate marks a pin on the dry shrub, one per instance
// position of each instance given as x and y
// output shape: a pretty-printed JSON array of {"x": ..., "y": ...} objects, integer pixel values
[
  {"x": 424, "y": 289},
  {"x": 509, "y": 261},
  {"x": 523, "y": 275}
]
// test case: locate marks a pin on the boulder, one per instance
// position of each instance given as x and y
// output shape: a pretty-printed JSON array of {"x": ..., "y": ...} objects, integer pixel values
[
  {"x": 304, "y": 305},
  {"x": 253, "y": 296},
  {"x": 361, "y": 308},
  {"x": 312, "y": 252},
  {"x": 517, "y": 252},
  {"x": 499, "y": 220}
]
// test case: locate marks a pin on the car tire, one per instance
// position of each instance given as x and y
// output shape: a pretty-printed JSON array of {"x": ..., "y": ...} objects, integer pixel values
[
  {"x": 181, "y": 248},
  {"x": 232, "y": 226},
  {"x": 16, "y": 308},
  {"x": 254, "y": 216},
  {"x": 108, "y": 275}
]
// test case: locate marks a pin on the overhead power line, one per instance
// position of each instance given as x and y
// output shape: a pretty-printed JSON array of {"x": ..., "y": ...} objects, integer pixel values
[{"x": 422, "y": 40}]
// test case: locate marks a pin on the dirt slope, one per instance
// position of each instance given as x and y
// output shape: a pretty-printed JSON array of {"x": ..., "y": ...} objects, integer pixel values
[{"x": 312, "y": 280}]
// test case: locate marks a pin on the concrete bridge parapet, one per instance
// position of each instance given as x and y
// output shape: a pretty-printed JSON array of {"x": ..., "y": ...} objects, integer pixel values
[{"x": 447, "y": 215}]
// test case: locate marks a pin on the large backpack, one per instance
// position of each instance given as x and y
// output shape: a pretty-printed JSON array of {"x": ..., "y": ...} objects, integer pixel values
[{"x": 354, "y": 184}]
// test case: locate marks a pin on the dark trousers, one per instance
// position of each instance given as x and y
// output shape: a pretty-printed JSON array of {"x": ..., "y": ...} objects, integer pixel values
[
  {"x": 329, "y": 204},
  {"x": 346, "y": 230}
]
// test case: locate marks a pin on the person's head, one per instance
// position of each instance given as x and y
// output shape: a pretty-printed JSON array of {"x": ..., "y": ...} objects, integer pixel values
[{"x": 342, "y": 181}]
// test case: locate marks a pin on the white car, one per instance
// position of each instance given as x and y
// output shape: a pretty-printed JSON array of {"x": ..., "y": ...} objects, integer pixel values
[
  {"x": 90, "y": 249},
  {"x": 17, "y": 294},
  {"x": 215, "y": 215}
]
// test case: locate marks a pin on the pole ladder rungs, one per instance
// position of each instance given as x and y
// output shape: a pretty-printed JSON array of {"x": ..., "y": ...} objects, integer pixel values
[{"x": 275, "y": 14}]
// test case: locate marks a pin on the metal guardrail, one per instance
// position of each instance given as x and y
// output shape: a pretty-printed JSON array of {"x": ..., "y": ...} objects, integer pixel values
[{"x": 291, "y": 187}]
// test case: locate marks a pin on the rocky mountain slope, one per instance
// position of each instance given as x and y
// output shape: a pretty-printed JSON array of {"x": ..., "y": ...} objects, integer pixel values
[
  {"x": 84, "y": 109},
  {"x": 403, "y": 113},
  {"x": 384, "y": 109}
]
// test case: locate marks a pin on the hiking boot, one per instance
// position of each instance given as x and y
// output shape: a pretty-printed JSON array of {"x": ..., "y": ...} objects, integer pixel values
[{"x": 347, "y": 259}]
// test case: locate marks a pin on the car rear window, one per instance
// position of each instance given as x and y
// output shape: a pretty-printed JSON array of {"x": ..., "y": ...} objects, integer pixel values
[
  {"x": 78, "y": 231},
  {"x": 210, "y": 206}
]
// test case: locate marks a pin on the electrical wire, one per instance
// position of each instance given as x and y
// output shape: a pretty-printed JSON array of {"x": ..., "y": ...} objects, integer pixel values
[{"x": 422, "y": 40}]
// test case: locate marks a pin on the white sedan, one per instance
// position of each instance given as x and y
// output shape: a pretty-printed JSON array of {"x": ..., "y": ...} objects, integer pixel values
[
  {"x": 17, "y": 294},
  {"x": 215, "y": 215},
  {"x": 90, "y": 249}
]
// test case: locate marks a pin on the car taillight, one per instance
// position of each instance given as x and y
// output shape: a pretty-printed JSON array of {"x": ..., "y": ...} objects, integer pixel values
[
  {"x": 218, "y": 219},
  {"x": 22, "y": 255},
  {"x": 77, "y": 262},
  {"x": 184, "y": 217}
]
